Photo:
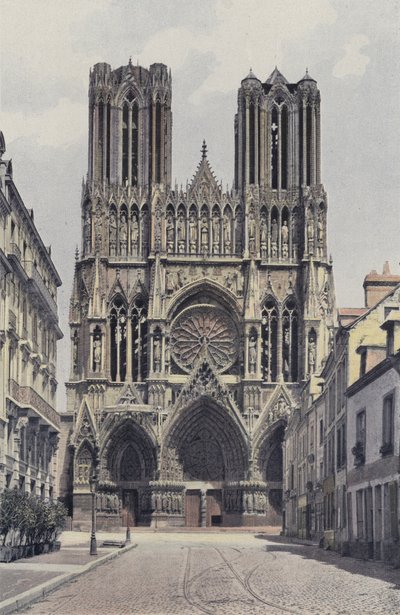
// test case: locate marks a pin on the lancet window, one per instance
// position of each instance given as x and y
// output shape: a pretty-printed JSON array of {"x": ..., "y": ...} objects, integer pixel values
[
  {"x": 279, "y": 147},
  {"x": 290, "y": 341},
  {"x": 130, "y": 140},
  {"x": 279, "y": 341},
  {"x": 139, "y": 340},
  {"x": 270, "y": 341},
  {"x": 104, "y": 139},
  {"x": 118, "y": 340}
]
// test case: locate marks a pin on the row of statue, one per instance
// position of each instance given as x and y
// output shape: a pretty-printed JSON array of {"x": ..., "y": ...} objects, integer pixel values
[
  {"x": 251, "y": 502},
  {"x": 220, "y": 235},
  {"x": 203, "y": 235},
  {"x": 108, "y": 503}
]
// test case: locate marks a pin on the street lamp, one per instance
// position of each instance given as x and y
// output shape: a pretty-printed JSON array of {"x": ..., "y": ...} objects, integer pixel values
[{"x": 93, "y": 543}]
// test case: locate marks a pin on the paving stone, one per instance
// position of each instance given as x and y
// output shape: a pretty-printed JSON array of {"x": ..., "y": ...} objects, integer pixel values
[{"x": 230, "y": 574}]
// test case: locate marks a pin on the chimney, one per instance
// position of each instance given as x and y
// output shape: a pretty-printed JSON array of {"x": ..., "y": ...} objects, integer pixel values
[{"x": 377, "y": 286}]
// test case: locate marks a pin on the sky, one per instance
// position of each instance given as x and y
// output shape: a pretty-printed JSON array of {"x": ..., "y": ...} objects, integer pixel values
[{"x": 351, "y": 47}]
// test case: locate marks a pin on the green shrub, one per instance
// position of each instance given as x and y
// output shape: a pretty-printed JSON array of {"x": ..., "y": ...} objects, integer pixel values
[{"x": 30, "y": 518}]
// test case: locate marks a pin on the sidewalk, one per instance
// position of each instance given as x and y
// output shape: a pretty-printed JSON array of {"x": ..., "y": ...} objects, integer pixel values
[{"x": 27, "y": 580}]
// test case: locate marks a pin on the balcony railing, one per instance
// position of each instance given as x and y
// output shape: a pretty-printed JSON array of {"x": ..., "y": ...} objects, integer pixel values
[
  {"x": 14, "y": 249},
  {"x": 27, "y": 395},
  {"x": 40, "y": 286}
]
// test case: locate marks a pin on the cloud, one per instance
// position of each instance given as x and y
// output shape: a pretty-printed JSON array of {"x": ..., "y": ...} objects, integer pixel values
[
  {"x": 245, "y": 34},
  {"x": 354, "y": 62},
  {"x": 60, "y": 126}
]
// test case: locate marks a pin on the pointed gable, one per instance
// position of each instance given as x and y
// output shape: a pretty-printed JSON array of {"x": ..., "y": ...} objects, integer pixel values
[
  {"x": 276, "y": 77},
  {"x": 85, "y": 425},
  {"x": 130, "y": 396},
  {"x": 204, "y": 183}
]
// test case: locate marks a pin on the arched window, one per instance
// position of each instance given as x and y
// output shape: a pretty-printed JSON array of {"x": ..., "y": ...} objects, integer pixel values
[
  {"x": 309, "y": 138},
  {"x": 118, "y": 340},
  {"x": 158, "y": 142},
  {"x": 284, "y": 147},
  {"x": 290, "y": 341},
  {"x": 270, "y": 341},
  {"x": 139, "y": 340},
  {"x": 135, "y": 140},
  {"x": 252, "y": 134},
  {"x": 125, "y": 141},
  {"x": 274, "y": 148}
]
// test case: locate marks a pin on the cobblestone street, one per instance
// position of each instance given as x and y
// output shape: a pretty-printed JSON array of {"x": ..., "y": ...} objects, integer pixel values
[{"x": 227, "y": 573}]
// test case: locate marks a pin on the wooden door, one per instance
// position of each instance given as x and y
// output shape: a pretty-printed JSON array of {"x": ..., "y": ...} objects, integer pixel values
[
  {"x": 130, "y": 506},
  {"x": 214, "y": 507},
  {"x": 192, "y": 508}
]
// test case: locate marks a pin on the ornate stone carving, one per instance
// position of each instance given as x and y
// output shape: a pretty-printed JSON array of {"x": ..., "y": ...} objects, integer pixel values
[
  {"x": 203, "y": 458},
  {"x": 204, "y": 328}
]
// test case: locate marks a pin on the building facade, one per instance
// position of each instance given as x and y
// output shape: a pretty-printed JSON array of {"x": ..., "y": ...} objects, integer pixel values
[
  {"x": 344, "y": 438},
  {"x": 29, "y": 331},
  {"x": 195, "y": 312}
]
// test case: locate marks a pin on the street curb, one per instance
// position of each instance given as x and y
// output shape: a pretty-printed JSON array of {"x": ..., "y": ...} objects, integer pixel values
[{"x": 40, "y": 591}]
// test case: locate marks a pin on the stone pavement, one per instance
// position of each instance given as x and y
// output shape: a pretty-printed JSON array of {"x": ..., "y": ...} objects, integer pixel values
[
  {"x": 227, "y": 573},
  {"x": 26, "y": 579}
]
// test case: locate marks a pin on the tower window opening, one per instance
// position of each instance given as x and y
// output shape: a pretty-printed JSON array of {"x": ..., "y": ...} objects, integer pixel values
[
  {"x": 158, "y": 142},
  {"x": 284, "y": 148},
  {"x": 309, "y": 144},
  {"x": 108, "y": 140},
  {"x": 252, "y": 144},
  {"x": 135, "y": 143},
  {"x": 274, "y": 148},
  {"x": 125, "y": 142},
  {"x": 100, "y": 140}
]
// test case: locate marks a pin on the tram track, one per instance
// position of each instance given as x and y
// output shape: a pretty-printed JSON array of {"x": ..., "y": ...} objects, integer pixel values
[{"x": 244, "y": 582}]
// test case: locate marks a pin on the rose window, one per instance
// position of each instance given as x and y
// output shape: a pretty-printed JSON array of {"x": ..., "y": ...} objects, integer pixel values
[{"x": 204, "y": 329}]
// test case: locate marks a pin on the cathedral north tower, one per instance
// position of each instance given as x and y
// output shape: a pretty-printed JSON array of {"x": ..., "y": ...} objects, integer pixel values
[{"x": 130, "y": 125}]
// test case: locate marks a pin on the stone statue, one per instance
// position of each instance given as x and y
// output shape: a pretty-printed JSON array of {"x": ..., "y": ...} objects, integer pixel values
[
  {"x": 134, "y": 235},
  {"x": 75, "y": 353},
  {"x": 204, "y": 232},
  {"x": 310, "y": 233},
  {"x": 113, "y": 233},
  {"x": 252, "y": 354},
  {"x": 311, "y": 355},
  {"x": 227, "y": 232},
  {"x": 157, "y": 353},
  {"x": 97, "y": 354},
  {"x": 87, "y": 232},
  {"x": 123, "y": 234},
  {"x": 263, "y": 237},
  {"x": 216, "y": 226},
  {"x": 192, "y": 231},
  {"x": 285, "y": 239},
  {"x": 181, "y": 230},
  {"x": 252, "y": 226},
  {"x": 170, "y": 233}
]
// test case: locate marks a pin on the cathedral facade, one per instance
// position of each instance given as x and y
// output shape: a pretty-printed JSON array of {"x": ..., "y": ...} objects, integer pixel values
[{"x": 196, "y": 313}]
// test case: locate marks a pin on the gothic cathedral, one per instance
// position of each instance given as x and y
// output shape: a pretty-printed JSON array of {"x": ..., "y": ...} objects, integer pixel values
[{"x": 196, "y": 313}]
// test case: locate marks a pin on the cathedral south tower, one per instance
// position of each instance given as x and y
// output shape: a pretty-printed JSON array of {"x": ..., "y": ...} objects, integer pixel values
[{"x": 196, "y": 314}]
